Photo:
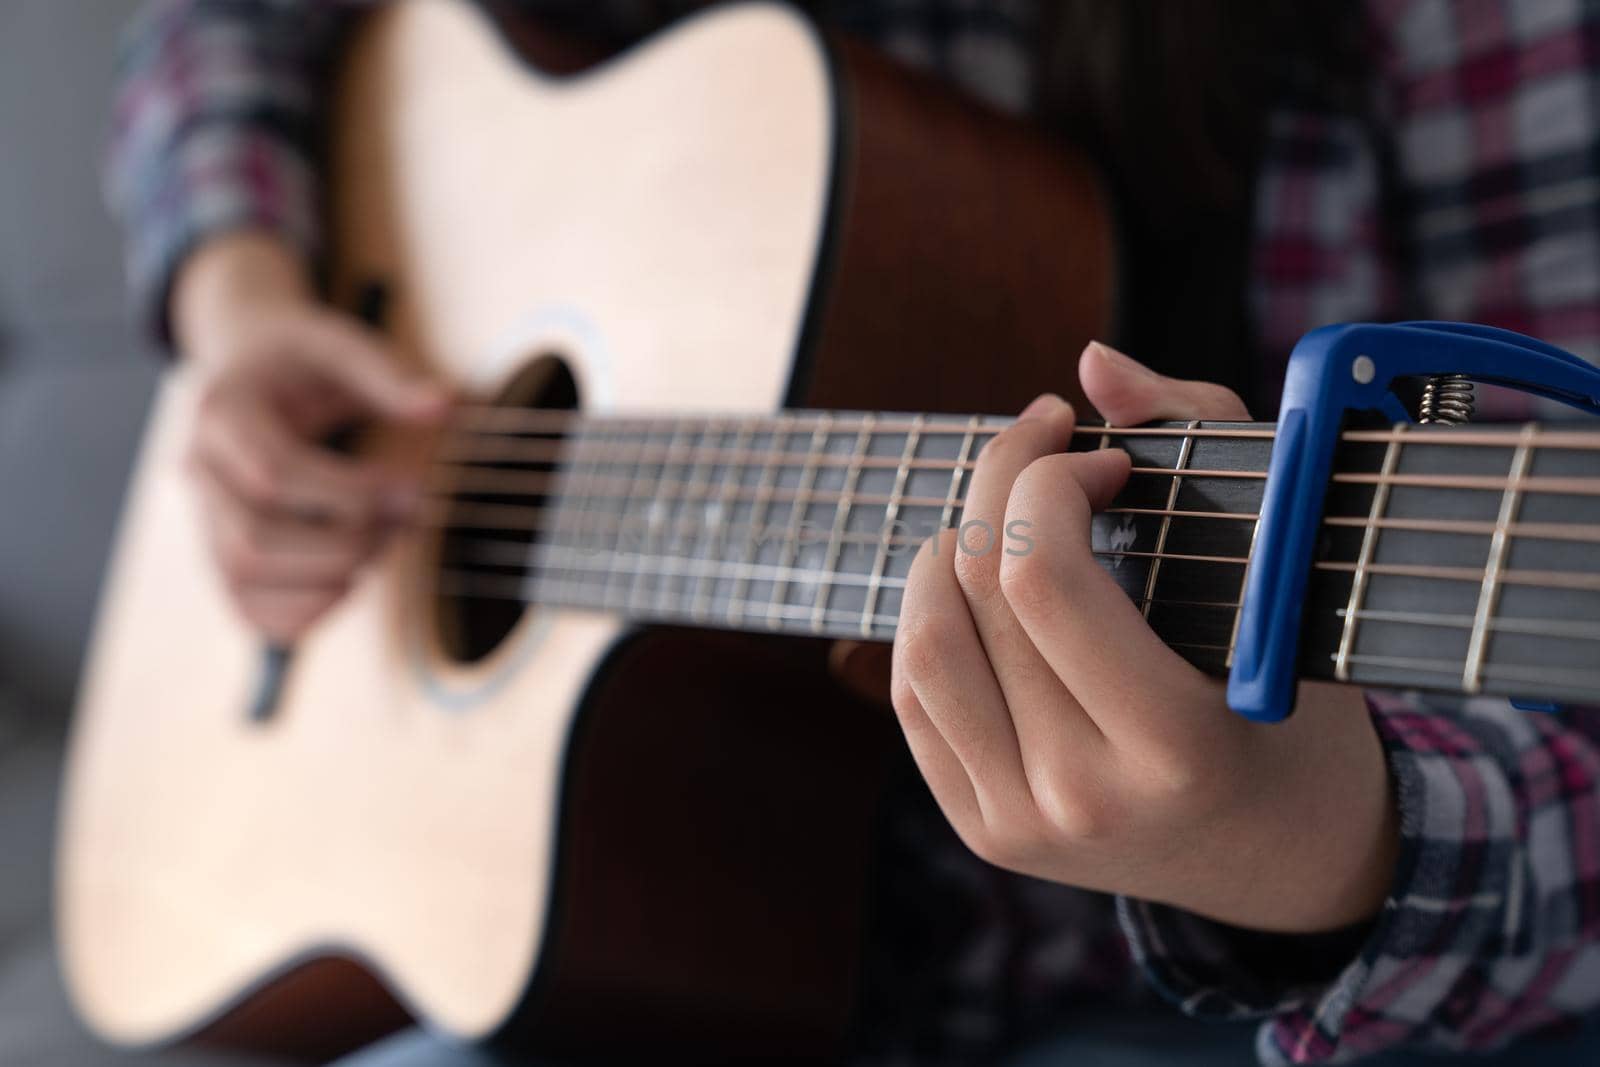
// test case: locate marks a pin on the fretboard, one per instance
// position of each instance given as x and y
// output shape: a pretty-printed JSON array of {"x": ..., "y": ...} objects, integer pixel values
[{"x": 1452, "y": 558}]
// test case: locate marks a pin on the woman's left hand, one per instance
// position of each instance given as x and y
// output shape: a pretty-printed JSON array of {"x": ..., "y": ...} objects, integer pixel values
[{"x": 1064, "y": 740}]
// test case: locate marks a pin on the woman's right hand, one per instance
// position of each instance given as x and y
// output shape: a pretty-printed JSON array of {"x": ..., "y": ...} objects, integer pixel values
[{"x": 289, "y": 520}]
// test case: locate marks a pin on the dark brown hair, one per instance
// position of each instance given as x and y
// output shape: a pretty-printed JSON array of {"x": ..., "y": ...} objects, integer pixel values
[
  {"x": 1174, "y": 92},
  {"x": 1172, "y": 97}
]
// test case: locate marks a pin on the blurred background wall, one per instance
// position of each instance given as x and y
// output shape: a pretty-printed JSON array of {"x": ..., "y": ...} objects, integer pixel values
[
  {"x": 74, "y": 382},
  {"x": 74, "y": 385}
]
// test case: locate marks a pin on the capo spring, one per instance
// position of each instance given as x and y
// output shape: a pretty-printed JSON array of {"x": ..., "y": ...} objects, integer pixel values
[{"x": 1447, "y": 400}]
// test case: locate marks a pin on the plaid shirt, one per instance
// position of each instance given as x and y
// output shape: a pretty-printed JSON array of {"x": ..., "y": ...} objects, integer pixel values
[{"x": 1472, "y": 195}]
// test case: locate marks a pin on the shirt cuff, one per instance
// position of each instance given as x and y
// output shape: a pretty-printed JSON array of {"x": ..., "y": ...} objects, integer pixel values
[
  {"x": 1389, "y": 982},
  {"x": 220, "y": 178}
]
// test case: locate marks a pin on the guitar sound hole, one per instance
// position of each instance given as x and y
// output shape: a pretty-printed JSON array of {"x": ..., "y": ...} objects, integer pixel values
[{"x": 504, "y": 467}]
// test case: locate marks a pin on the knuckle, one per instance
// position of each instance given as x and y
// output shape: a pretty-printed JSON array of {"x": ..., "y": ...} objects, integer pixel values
[
  {"x": 1213, "y": 399},
  {"x": 1026, "y": 581},
  {"x": 263, "y": 480},
  {"x": 1009, "y": 449},
  {"x": 904, "y": 699},
  {"x": 1174, "y": 775},
  {"x": 1072, "y": 814},
  {"x": 926, "y": 647},
  {"x": 245, "y": 554},
  {"x": 239, "y": 562},
  {"x": 977, "y": 573}
]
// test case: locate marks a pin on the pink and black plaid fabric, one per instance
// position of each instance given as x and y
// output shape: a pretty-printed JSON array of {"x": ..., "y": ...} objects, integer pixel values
[{"x": 1472, "y": 194}]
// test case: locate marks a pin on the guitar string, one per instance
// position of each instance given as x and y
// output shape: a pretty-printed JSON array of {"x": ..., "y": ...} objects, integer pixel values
[
  {"x": 514, "y": 448},
  {"x": 467, "y": 514},
  {"x": 538, "y": 586},
  {"x": 534, "y": 589},
  {"x": 1588, "y": 581},
  {"x": 525, "y": 517},
  {"x": 580, "y": 448},
  {"x": 849, "y": 621},
  {"x": 560, "y": 421},
  {"x": 475, "y": 477}
]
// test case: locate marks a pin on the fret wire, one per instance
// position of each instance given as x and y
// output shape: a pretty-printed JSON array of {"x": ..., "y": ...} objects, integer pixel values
[
  {"x": 1477, "y": 436},
  {"x": 1574, "y": 485},
  {"x": 841, "y": 514},
  {"x": 797, "y": 510},
  {"x": 698, "y": 473},
  {"x": 479, "y": 585},
  {"x": 656, "y": 509},
  {"x": 698, "y": 485},
  {"x": 957, "y": 471},
  {"x": 799, "y": 420},
  {"x": 517, "y": 516},
  {"x": 759, "y": 509},
  {"x": 1541, "y": 578},
  {"x": 1369, "y": 547},
  {"x": 614, "y": 576},
  {"x": 1477, "y": 642},
  {"x": 1557, "y": 486},
  {"x": 1533, "y": 675},
  {"x": 1554, "y": 579},
  {"x": 566, "y": 482},
  {"x": 891, "y": 515},
  {"x": 1244, "y": 578},
  {"x": 1539, "y": 531},
  {"x": 581, "y": 491},
  {"x": 1151, "y": 575},
  {"x": 658, "y": 564},
  {"x": 1575, "y": 631},
  {"x": 700, "y": 608},
  {"x": 650, "y": 500},
  {"x": 507, "y": 554},
  {"x": 1536, "y": 627},
  {"x": 1579, "y": 486}
]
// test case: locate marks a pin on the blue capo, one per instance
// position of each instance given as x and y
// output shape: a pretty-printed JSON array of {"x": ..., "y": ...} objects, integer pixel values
[{"x": 1335, "y": 370}]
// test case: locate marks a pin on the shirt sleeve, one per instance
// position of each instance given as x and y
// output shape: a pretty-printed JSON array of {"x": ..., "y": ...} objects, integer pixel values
[
  {"x": 1490, "y": 120},
  {"x": 1491, "y": 930},
  {"x": 218, "y": 120},
  {"x": 1490, "y": 115},
  {"x": 215, "y": 128}
]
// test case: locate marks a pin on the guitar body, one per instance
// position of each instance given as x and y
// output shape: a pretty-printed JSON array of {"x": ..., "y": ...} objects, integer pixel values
[{"x": 592, "y": 838}]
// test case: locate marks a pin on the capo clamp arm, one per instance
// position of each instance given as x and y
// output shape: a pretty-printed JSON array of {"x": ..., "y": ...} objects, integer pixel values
[{"x": 1335, "y": 370}]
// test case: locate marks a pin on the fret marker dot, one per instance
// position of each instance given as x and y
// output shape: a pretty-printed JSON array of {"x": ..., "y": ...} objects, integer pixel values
[{"x": 1363, "y": 370}]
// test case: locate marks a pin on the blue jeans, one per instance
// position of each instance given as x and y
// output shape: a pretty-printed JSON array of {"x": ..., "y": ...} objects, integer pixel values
[{"x": 1143, "y": 1039}]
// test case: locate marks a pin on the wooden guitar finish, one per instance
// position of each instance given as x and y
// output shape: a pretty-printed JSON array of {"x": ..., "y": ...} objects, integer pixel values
[{"x": 597, "y": 840}]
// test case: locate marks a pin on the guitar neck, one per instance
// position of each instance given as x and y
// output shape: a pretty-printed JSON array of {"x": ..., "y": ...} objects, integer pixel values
[{"x": 1453, "y": 558}]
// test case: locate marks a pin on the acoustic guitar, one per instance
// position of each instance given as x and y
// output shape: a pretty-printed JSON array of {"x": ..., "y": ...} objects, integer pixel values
[{"x": 567, "y": 766}]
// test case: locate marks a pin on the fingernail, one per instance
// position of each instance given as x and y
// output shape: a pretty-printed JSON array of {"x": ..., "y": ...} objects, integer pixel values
[{"x": 1041, "y": 406}]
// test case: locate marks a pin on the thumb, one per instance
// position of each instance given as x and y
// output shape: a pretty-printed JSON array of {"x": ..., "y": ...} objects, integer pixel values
[
  {"x": 357, "y": 359},
  {"x": 1128, "y": 393}
]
